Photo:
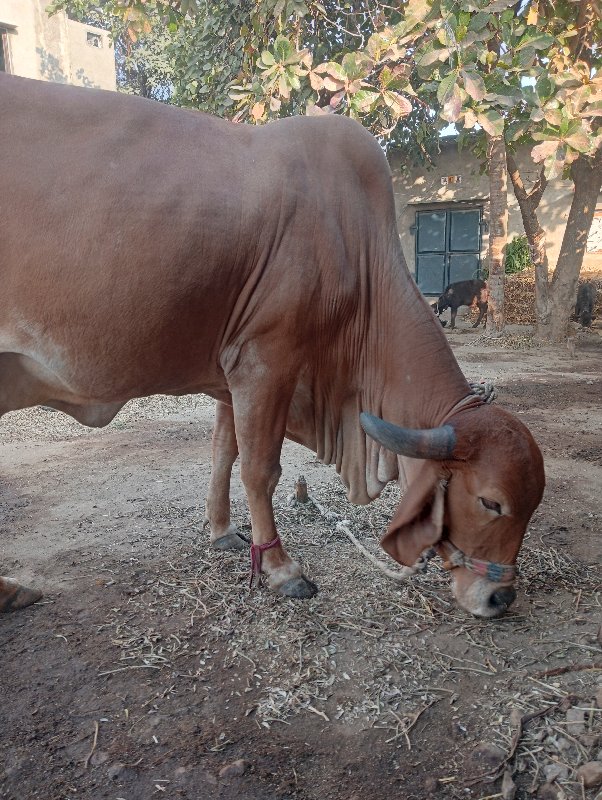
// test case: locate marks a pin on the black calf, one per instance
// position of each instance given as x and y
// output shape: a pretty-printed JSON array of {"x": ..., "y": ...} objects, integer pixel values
[
  {"x": 463, "y": 293},
  {"x": 586, "y": 300}
]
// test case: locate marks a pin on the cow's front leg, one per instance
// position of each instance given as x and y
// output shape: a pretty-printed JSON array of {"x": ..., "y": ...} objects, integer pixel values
[
  {"x": 223, "y": 533},
  {"x": 260, "y": 412},
  {"x": 13, "y": 596}
]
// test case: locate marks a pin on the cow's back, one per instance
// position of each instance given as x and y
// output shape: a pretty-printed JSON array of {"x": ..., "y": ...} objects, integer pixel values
[{"x": 143, "y": 244}]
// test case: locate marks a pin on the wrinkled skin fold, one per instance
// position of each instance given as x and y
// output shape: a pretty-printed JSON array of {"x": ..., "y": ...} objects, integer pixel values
[{"x": 261, "y": 266}]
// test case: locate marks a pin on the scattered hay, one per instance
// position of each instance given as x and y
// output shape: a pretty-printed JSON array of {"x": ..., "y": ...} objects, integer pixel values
[
  {"x": 519, "y": 297},
  {"x": 365, "y": 651},
  {"x": 506, "y": 341}
]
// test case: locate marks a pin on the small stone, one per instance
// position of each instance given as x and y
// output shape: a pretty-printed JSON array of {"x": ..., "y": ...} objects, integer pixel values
[
  {"x": 553, "y": 772},
  {"x": 568, "y": 701},
  {"x": 115, "y": 770},
  {"x": 575, "y": 721},
  {"x": 508, "y": 788},
  {"x": 548, "y": 792},
  {"x": 515, "y": 717},
  {"x": 233, "y": 770},
  {"x": 589, "y": 740},
  {"x": 431, "y": 785},
  {"x": 590, "y": 774},
  {"x": 562, "y": 744},
  {"x": 180, "y": 772},
  {"x": 458, "y": 730},
  {"x": 488, "y": 755},
  {"x": 99, "y": 757}
]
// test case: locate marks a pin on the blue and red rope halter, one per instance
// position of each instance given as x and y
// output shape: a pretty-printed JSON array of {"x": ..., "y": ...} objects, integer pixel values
[{"x": 497, "y": 573}]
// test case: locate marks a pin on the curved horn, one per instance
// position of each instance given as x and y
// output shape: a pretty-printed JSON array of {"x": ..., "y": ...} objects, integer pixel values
[{"x": 436, "y": 444}]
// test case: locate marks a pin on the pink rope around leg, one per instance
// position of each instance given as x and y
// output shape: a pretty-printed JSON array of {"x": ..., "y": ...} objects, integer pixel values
[{"x": 256, "y": 551}]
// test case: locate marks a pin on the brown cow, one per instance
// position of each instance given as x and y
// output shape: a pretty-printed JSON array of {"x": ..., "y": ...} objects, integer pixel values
[{"x": 146, "y": 249}]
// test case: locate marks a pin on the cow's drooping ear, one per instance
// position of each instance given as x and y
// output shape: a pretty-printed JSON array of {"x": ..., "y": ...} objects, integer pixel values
[{"x": 418, "y": 522}]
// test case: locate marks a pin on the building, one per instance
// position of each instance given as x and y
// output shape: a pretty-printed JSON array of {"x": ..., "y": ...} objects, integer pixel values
[
  {"x": 443, "y": 216},
  {"x": 56, "y": 48}
]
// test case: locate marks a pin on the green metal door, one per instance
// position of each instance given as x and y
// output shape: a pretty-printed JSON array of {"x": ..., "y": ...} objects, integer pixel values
[{"x": 448, "y": 247}]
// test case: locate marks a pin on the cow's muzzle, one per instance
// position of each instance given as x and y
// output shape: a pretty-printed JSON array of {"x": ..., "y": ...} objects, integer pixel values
[
  {"x": 502, "y": 598},
  {"x": 480, "y": 596}
]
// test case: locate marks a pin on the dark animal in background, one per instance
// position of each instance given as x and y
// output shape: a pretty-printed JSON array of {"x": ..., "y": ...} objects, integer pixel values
[
  {"x": 584, "y": 307},
  {"x": 463, "y": 293}
]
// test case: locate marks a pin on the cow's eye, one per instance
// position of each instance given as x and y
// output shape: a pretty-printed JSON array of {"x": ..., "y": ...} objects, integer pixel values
[{"x": 491, "y": 505}]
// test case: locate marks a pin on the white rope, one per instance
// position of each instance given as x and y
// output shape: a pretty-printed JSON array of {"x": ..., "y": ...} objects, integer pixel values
[{"x": 397, "y": 575}]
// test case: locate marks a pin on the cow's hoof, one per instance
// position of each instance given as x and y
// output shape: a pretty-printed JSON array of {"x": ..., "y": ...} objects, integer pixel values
[
  {"x": 301, "y": 588},
  {"x": 231, "y": 541},
  {"x": 13, "y": 596}
]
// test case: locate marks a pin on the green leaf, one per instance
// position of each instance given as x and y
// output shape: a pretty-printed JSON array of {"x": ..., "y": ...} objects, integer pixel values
[
  {"x": 376, "y": 45},
  {"x": 432, "y": 56},
  {"x": 283, "y": 48},
  {"x": 470, "y": 119},
  {"x": 446, "y": 87},
  {"x": 544, "y": 87},
  {"x": 515, "y": 131},
  {"x": 333, "y": 69},
  {"x": 474, "y": 84},
  {"x": 363, "y": 101},
  {"x": 399, "y": 105},
  {"x": 265, "y": 60},
  {"x": 579, "y": 141},
  {"x": 524, "y": 58},
  {"x": 538, "y": 41},
  {"x": 555, "y": 163},
  {"x": 452, "y": 106},
  {"x": 479, "y": 21},
  {"x": 544, "y": 150},
  {"x": 356, "y": 65},
  {"x": 491, "y": 122},
  {"x": 552, "y": 116},
  {"x": 332, "y": 84}
]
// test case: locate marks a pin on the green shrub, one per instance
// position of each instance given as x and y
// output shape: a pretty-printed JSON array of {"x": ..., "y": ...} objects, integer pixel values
[{"x": 517, "y": 255}]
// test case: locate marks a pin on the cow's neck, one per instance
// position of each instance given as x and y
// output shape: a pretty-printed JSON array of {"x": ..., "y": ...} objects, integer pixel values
[{"x": 412, "y": 377}]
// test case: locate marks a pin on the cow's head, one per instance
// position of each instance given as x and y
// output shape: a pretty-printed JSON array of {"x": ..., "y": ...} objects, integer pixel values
[
  {"x": 435, "y": 307},
  {"x": 443, "y": 302},
  {"x": 479, "y": 479}
]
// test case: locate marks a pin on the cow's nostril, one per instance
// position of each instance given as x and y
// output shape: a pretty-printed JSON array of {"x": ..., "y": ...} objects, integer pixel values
[{"x": 503, "y": 598}]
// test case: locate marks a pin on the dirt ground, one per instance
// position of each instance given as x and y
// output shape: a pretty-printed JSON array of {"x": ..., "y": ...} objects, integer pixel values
[{"x": 150, "y": 670}]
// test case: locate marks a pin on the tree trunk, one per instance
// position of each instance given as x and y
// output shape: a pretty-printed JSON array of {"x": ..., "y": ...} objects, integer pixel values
[
  {"x": 528, "y": 203},
  {"x": 587, "y": 177},
  {"x": 498, "y": 231}
]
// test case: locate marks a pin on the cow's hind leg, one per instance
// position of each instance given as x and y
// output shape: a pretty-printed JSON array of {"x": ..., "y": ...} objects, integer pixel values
[
  {"x": 14, "y": 596},
  {"x": 482, "y": 311},
  {"x": 261, "y": 399},
  {"x": 223, "y": 534}
]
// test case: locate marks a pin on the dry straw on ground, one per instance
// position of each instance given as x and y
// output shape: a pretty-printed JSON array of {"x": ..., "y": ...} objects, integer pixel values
[{"x": 367, "y": 651}]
